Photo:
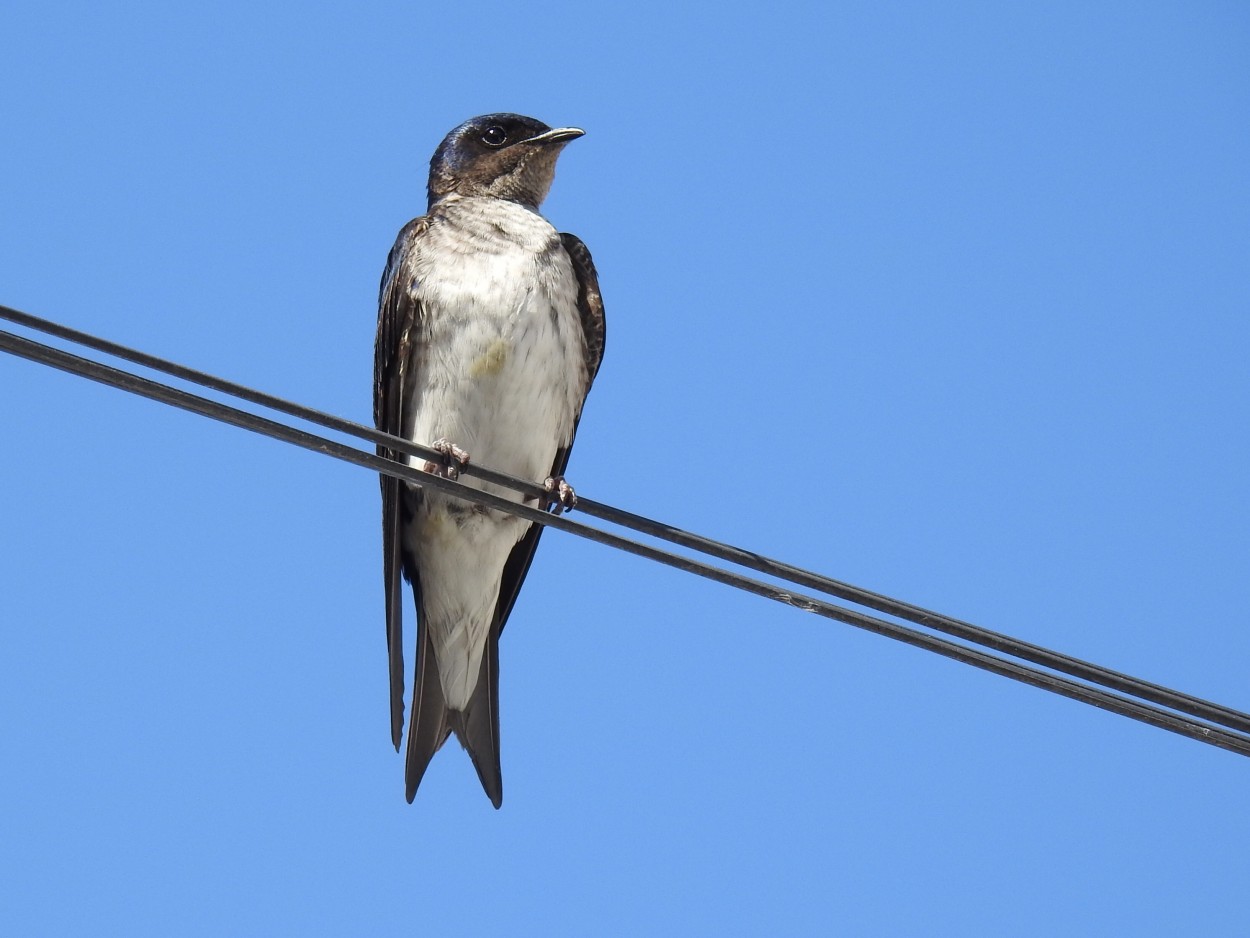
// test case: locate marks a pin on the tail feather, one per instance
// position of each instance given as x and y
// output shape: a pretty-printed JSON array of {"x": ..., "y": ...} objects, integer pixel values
[
  {"x": 429, "y": 726},
  {"x": 477, "y": 726}
]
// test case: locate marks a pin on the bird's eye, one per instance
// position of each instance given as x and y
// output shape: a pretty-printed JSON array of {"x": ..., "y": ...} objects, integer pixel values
[{"x": 495, "y": 136}]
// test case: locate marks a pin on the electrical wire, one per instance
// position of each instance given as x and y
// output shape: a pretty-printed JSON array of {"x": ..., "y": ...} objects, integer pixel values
[
  {"x": 1145, "y": 711},
  {"x": 958, "y": 628}
]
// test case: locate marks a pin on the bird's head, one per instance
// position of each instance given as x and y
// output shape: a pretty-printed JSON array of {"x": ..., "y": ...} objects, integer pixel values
[{"x": 505, "y": 156}]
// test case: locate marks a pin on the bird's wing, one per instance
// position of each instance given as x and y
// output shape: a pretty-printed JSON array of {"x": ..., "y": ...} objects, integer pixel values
[
  {"x": 594, "y": 334},
  {"x": 399, "y": 325},
  {"x": 589, "y": 305}
]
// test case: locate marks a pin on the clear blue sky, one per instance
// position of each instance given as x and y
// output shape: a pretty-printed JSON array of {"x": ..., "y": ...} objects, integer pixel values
[{"x": 946, "y": 300}]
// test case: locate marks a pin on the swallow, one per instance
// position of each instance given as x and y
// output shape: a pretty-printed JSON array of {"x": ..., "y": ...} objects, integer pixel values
[{"x": 490, "y": 333}]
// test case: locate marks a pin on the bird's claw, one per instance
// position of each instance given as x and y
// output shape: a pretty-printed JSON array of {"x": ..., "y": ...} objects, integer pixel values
[
  {"x": 454, "y": 459},
  {"x": 560, "y": 495}
]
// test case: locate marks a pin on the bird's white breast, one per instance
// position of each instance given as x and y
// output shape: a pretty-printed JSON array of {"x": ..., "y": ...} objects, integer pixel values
[{"x": 501, "y": 375}]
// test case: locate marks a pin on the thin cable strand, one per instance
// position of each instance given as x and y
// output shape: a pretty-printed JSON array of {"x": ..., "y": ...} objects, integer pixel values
[
  {"x": 966, "y": 631},
  {"x": 106, "y": 374}
]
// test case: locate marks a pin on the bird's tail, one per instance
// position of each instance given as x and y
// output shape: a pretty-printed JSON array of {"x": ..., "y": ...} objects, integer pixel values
[
  {"x": 476, "y": 726},
  {"x": 428, "y": 726}
]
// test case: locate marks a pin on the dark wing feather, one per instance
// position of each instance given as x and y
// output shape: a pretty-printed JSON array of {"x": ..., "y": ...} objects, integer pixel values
[
  {"x": 589, "y": 305},
  {"x": 594, "y": 334},
  {"x": 398, "y": 324}
]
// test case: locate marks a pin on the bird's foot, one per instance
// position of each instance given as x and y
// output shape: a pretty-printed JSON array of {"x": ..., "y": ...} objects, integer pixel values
[
  {"x": 454, "y": 459},
  {"x": 560, "y": 495}
]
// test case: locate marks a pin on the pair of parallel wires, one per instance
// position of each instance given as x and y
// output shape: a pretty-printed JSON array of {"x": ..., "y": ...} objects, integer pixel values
[{"x": 1062, "y": 674}]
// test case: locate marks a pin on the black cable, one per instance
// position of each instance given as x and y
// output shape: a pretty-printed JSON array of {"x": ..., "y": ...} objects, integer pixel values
[
  {"x": 1025, "y": 651},
  {"x": 1143, "y": 712}
]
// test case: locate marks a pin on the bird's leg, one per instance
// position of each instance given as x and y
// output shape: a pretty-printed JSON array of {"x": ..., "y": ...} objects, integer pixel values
[
  {"x": 454, "y": 459},
  {"x": 560, "y": 495}
]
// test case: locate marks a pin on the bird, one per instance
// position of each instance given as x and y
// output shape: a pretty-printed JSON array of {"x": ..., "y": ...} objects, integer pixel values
[{"x": 490, "y": 333}]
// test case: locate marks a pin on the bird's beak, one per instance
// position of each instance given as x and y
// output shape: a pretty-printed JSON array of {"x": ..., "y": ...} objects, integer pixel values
[{"x": 558, "y": 135}]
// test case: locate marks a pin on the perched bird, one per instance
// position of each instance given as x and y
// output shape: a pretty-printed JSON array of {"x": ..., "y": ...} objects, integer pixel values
[{"x": 490, "y": 332}]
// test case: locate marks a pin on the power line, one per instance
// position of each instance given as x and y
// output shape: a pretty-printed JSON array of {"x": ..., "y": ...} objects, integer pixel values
[
  {"x": 1144, "y": 709},
  {"x": 934, "y": 620},
  {"x": 966, "y": 631}
]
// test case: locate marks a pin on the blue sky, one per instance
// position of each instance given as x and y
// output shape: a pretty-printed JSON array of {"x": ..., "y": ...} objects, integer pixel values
[{"x": 949, "y": 301}]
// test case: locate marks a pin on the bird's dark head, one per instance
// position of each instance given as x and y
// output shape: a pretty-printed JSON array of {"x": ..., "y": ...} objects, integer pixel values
[{"x": 505, "y": 156}]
